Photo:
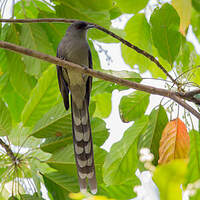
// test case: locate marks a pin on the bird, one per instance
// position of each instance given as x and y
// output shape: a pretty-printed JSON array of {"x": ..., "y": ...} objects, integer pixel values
[{"x": 74, "y": 47}]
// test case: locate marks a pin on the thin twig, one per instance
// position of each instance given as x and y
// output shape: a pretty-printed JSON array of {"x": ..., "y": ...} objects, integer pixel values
[
  {"x": 63, "y": 20},
  {"x": 101, "y": 75}
]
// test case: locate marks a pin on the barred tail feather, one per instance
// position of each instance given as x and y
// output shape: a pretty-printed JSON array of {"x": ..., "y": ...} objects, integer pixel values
[{"x": 83, "y": 148}]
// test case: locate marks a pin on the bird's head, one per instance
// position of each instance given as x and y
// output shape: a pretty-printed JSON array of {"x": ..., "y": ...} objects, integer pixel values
[{"x": 79, "y": 28}]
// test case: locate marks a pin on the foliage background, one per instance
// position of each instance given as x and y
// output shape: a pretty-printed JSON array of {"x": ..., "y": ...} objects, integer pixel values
[{"x": 34, "y": 123}]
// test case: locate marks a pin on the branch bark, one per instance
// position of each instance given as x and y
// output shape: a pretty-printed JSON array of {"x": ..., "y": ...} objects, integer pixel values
[
  {"x": 63, "y": 20},
  {"x": 8, "y": 150},
  {"x": 107, "y": 77}
]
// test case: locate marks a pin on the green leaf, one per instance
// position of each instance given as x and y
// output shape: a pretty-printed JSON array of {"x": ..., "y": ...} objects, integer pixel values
[
  {"x": 56, "y": 122},
  {"x": 193, "y": 171},
  {"x": 196, "y": 5},
  {"x": 195, "y": 22},
  {"x": 5, "y": 120},
  {"x": 33, "y": 36},
  {"x": 100, "y": 86},
  {"x": 56, "y": 125},
  {"x": 133, "y": 106},
  {"x": 115, "y": 12},
  {"x": 60, "y": 184},
  {"x": 131, "y": 6},
  {"x": 103, "y": 105},
  {"x": 121, "y": 162},
  {"x": 119, "y": 192},
  {"x": 42, "y": 98},
  {"x": 22, "y": 135},
  {"x": 184, "y": 58},
  {"x": 20, "y": 81},
  {"x": 137, "y": 32},
  {"x": 169, "y": 177},
  {"x": 165, "y": 31},
  {"x": 79, "y": 10},
  {"x": 63, "y": 160},
  {"x": 99, "y": 136},
  {"x": 14, "y": 101},
  {"x": 110, "y": 39},
  {"x": 151, "y": 137}
]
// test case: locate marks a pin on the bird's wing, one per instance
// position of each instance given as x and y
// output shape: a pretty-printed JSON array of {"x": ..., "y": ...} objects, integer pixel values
[
  {"x": 63, "y": 85},
  {"x": 89, "y": 81}
]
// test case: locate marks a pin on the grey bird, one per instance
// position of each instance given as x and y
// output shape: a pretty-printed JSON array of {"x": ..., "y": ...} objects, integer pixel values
[{"x": 74, "y": 48}]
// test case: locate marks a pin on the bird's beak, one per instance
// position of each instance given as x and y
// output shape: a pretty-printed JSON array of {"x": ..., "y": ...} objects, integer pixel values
[{"x": 90, "y": 26}]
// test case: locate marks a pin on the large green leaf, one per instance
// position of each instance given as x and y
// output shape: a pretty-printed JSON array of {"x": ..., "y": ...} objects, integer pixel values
[
  {"x": 60, "y": 184},
  {"x": 22, "y": 135},
  {"x": 56, "y": 122},
  {"x": 90, "y": 4},
  {"x": 196, "y": 5},
  {"x": 101, "y": 86},
  {"x": 119, "y": 192},
  {"x": 57, "y": 126},
  {"x": 79, "y": 10},
  {"x": 33, "y": 36},
  {"x": 193, "y": 171},
  {"x": 13, "y": 100},
  {"x": 121, "y": 162},
  {"x": 131, "y": 6},
  {"x": 99, "y": 136},
  {"x": 5, "y": 120},
  {"x": 20, "y": 81},
  {"x": 165, "y": 31},
  {"x": 137, "y": 32},
  {"x": 42, "y": 98},
  {"x": 63, "y": 160},
  {"x": 169, "y": 178},
  {"x": 151, "y": 138},
  {"x": 133, "y": 106},
  {"x": 103, "y": 105}
]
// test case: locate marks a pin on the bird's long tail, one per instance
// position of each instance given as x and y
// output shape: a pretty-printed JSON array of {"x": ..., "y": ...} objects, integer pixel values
[{"x": 83, "y": 148}]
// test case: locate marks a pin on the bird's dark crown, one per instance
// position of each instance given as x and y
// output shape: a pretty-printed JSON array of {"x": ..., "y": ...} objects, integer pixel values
[{"x": 80, "y": 25}]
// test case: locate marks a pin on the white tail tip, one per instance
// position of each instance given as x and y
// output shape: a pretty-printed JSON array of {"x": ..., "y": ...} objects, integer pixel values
[
  {"x": 94, "y": 191},
  {"x": 83, "y": 190}
]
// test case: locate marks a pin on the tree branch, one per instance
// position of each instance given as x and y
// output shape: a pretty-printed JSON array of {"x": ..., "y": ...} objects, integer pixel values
[
  {"x": 8, "y": 150},
  {"x": 107, "y": 77},
  {"x": 63, "y": 20}
]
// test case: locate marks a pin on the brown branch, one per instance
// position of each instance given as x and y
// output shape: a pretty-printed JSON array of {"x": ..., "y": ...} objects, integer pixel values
[
  {"x": 137, "y": 49},
  {"x": 190, "y": 96},
  {"x": 192, "y": 93},
  {"x": 97, "y": 74},
  {"x": 8, "y": 150}
]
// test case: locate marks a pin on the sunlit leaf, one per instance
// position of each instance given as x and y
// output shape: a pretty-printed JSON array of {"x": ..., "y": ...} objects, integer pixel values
[
  {"x": 60, "y": 184},
  {"x": 137, "y": 32},
  {"x": 151, "y": 138},
  {"x": 120, "y": 192},
  {"x": 133, "y": 106},
  {"x": 193, "y": 173},
  {"x": 34, "y": 37},
  {"x": 196, "y": 5},
  {"x": 165, "y": 31},
  {"x": 181, "y": 6},
  {"x": 175, "y": 142},
  {"x": 131, "y": 6},
  {"x": 103, "y": 105},
  {"x": 5, "y": 120},
  {"x": 42, "y": 98},
  {"x": 21, "y": 82},
  {"x": 121, "y": 162},
  {"x": 169, "y": 178},
  {"x": 63, "y": 160}
]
